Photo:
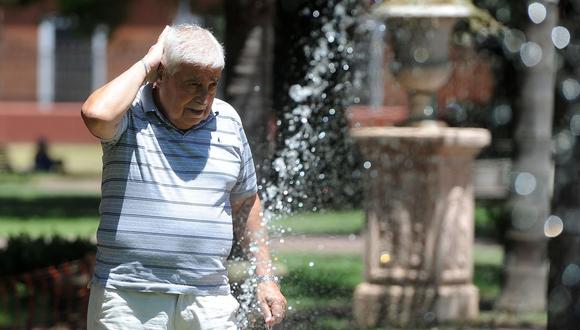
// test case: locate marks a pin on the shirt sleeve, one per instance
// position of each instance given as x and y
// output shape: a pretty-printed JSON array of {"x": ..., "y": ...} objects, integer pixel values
[
  {"x": 121, "y": 128},
  {"x": 246, "y": 185}
]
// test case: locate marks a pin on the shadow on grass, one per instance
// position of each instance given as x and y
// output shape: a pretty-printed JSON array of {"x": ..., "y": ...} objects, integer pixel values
[{"x": 50, "y": 206}]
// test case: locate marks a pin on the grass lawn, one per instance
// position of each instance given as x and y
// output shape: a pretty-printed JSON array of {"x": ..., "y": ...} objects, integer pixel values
[{"x": 322, "y": 223}]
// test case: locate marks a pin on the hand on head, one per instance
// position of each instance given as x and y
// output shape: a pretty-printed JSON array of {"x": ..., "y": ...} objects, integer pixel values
[{"x": 154, "y": 55}]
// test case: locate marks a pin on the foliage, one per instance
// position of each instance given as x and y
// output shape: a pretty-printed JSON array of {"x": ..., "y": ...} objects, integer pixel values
[
  {"x": 24, "y": 253},
  {"x": 49, "y": 206}
]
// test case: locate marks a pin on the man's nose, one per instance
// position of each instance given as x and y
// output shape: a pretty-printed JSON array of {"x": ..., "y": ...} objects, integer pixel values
[{"x": 202, "y": 95}]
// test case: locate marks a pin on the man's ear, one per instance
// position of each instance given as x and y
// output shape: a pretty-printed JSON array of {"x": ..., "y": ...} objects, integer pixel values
[{"x": 160, "y": 72}]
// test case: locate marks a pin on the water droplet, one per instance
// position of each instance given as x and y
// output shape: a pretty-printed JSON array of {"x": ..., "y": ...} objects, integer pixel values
[
  {"x": 503, "y": 14},
  {"x": 502, "y": 114},
  {"x": 570, "y": 89},
  {"x": 311, "y": 264},
  {"x": 421, "y": 55},
  {"x": 315, "y": 13},
  {"x": 525, "y": 183},
  {"x": 560, "y": 37},
  {"x": 531, "y": 54},
  {"x": 428, "y": 111},
  {"x": 513, "y": 40},
  {"x": 571, "y": 275},
  {"x": 331, "y": 111},
  {"x": 321, "y": 135},
  {"x": 553, "y": 226},
  {"x": 537, "y": 12},
  {"x": 564, "y": 141},
  {"x": 345, "y": 67},
  {"x": 575, "y": 124},
  {"x": 367, "y": 165},
  {"x": 299, "y": 93}
]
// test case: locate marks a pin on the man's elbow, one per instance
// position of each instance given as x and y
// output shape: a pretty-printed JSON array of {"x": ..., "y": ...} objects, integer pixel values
[
  {"x": 99, "y": 123},
  {"x": 94, "y": 113}
]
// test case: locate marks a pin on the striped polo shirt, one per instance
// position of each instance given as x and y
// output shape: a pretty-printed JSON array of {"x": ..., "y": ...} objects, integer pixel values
[{"x": 166, "y": 214}]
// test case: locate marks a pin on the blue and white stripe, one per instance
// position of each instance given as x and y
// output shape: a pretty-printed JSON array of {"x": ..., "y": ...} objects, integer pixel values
[{"x": 166, "y": 215}]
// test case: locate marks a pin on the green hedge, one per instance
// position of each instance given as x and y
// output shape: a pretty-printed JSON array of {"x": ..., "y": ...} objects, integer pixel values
[{"x": 24, "y": 253}]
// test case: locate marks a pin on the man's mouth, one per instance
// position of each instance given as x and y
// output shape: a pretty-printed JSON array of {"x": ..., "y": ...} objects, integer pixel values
[{"x": 196, "y": 111}]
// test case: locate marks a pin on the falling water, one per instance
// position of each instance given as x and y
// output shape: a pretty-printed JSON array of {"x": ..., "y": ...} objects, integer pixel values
[{"x": 312, "y": 144}]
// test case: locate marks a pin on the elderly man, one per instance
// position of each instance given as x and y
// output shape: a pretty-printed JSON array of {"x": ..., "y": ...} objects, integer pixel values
[{"x": 178, "y": 176}]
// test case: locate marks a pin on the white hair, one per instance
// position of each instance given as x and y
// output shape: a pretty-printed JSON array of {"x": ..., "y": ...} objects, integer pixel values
[{"x": 191, "y": 44}]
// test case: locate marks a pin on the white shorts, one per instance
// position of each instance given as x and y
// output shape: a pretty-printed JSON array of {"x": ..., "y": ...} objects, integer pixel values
[{"x": 124, "y": 309}]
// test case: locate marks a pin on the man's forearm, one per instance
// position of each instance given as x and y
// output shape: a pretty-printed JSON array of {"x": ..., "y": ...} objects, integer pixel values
[
  {"x": 257, "y": 231},
  {"x": 255, "y": 235},
  {"x": 105, "y": 107}
]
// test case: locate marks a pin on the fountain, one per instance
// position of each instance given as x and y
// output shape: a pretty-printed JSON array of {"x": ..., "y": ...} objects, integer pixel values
[{"x": 418, "y": 191}]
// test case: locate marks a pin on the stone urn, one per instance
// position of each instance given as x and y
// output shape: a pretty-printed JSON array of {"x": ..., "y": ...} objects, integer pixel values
[
  {"x": 419, "y": 36},
  {"x": 418, "y": 187}
]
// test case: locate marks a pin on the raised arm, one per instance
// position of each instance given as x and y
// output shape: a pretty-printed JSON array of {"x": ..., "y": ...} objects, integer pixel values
[
  {"x": 104, "y": 108},
  {"x": 272, "y": 302}
]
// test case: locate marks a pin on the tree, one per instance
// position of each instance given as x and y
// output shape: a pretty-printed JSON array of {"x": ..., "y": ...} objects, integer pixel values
[
  {"x": 564, "y": 247},
  {"x": 526, "y": 245}
]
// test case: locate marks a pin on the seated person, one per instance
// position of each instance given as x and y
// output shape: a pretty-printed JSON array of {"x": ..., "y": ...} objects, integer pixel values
[{"x": 42, "y": 160}]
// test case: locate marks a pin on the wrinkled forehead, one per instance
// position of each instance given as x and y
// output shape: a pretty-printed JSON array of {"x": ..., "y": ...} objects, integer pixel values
[{"x": 192, "y": 70}]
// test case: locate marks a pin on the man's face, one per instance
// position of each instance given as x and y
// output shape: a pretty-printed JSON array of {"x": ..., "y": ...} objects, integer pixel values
[{"x": 187, "y": 95}]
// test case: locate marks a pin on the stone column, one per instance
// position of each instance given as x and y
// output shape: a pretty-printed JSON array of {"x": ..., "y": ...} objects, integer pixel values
[{"x": 419, "y": 209}]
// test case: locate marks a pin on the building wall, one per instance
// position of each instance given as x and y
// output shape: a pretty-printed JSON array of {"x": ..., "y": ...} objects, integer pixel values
[
  {"x": 18, "y": 62},
  {"x": 22, "y": 119}
]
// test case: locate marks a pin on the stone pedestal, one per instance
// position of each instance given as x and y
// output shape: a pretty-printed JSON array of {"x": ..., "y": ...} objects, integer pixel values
[{"x": 419, "y": 225}]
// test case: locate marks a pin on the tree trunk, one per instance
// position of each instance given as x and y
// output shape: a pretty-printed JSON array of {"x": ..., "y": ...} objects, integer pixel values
[
  {"x": 525, "y": 259},
  {"x": 248, "y": 75},
  {"x": 564, "y": 249}
]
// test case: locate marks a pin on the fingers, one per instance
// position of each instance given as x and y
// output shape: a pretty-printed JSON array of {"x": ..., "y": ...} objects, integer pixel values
[
  {"x": 273, "y": 311},
  {"x": 161, "y": 37},
  {"x": 154, "y": 55},
  {"x": 272, "y": 303},
  {"x": 266, "y": 313},
  {"x": 277, "y": 310}
]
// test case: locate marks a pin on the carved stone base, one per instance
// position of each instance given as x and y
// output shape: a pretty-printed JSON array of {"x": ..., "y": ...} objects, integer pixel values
[{"x": 393, "y": 305}]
